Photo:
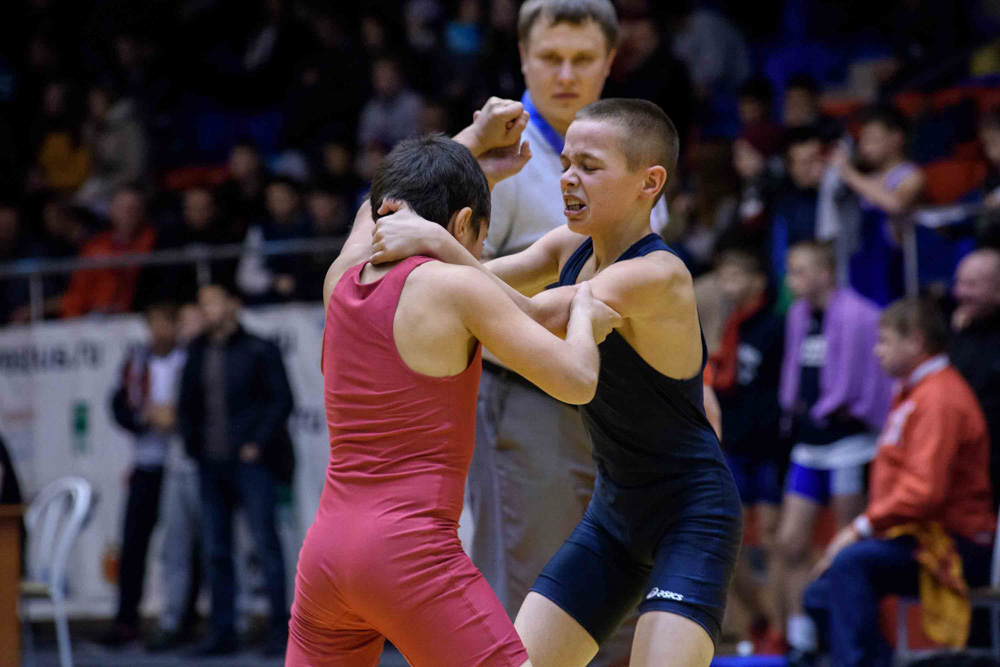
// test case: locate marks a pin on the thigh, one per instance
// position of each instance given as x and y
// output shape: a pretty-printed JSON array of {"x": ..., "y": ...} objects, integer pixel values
[
  {"x": 593, "y": 579},
  {"x": 553, "y": 637},
  {"x": 454, "y": 619},
  {"x": 847, "y": 491},
  {"x": 795, "y": 527},
  {"x": 694, "y": 566},
  {"x": 664, "y": 638},
  {"x": 312, "y": 643},
  {"x": 888, "y": 567},
  {"x": 217, "y": 506},
  {"x": 810, "y": 483}
]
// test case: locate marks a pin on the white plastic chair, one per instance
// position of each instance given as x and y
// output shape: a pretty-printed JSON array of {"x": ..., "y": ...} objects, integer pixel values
[
  {"x": 980, "y": 598},
  {"x": 53, "y": 521}
]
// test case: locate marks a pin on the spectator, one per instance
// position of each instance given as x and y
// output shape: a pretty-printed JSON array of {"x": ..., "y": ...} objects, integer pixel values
[
  {"x": 117, "y": 142},
  {"x": 275, "y": 277},
  {"x": 796, "y": 208},
  {"x": 242, "y": 195},
  {"x": 112, "y": 290},
  {"x": 759, "y": 172},
  {"x": 835, "y": 399},
  {"x": 713, "y": 49},
  {"x": 180, "y": 555},
  {"x": 744, "y": 373},
  {"x": 988, "y": 227},
  {"x": 233, "y": 411},
  {"x": 329, "y": 217},
  {"x": 802, "y": 110},
  {"x": 63, "y": 236},
  {"x": 753, "y": 105},
  {"x": 706, "y": 212},
  {"x": 201, "y": 224},
  {"x": 394, "y": 111},
  {"x": 15, "y": 244},
  {"x": 337, "y": 170},
  {"x": 888, "y": 193},
  {"x": 62, "y": 160},
  {"x": 646, "y": 68},
  {"x": 144, "y": 405},
  {"x": 930, "y": 490},
  {"x": 975, "y": 349}
]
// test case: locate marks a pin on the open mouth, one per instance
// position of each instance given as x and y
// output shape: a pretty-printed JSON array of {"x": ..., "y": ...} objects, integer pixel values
[{"x": 573, "y": 205}]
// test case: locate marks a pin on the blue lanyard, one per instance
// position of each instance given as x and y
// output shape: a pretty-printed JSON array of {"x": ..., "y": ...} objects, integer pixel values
[{"x": 554, "y": 139}]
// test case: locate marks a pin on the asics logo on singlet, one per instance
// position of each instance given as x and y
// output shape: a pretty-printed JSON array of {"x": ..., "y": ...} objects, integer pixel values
[{"x": 666, "y": 595}]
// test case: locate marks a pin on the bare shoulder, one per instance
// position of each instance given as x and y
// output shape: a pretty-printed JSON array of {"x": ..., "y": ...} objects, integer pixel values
[
  {"x": 564, "y": 242},
  {"x": 449, "y": 280}
]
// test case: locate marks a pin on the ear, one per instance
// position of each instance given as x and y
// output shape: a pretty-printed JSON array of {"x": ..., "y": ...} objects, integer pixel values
[
  {"x": 611, "y": 59},
  {"x": 654, "y": 182},
  {"x": 460, "y": 224},
  {"x": 522, "y": 51}
]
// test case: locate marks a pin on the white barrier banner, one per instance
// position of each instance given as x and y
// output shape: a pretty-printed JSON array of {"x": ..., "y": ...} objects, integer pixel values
[{"x": 56, "y": 381}]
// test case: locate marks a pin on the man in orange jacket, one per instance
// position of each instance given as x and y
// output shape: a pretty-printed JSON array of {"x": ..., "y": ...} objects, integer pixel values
[{"x": 932, "y": 467}]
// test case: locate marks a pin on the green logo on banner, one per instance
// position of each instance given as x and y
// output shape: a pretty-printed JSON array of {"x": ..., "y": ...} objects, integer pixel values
[{"x": 80, "y": 427}]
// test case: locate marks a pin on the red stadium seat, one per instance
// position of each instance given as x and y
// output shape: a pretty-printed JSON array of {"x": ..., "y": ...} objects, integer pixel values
[
  {"x": 910, "y": 104},
  {"x": 943, "y": 99},
  {"x": 948, "y": 180},
  {"x": 986, "y": 98},
  {"x": 841, "y": 107},
  {"x": 189, "y": 177}
]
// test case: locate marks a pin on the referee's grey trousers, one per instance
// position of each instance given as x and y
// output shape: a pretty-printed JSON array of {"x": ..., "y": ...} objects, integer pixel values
[{"x": 530, "y": 480}]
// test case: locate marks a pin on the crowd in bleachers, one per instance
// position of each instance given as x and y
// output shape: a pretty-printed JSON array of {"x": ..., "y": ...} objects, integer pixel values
[
  {"x": 128, "y": 127},
  {"x": 132, "y": 127}
]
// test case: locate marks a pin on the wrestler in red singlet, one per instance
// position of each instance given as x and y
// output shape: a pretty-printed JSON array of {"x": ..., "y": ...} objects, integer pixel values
[{"x": 383, "y": 559}]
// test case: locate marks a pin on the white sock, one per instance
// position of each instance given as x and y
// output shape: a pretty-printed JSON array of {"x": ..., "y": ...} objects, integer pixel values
[{"x": 801, "y": 633}]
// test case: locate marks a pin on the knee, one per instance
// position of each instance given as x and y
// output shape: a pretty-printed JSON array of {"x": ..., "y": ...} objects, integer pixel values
[{"x": 792, "y": 549}]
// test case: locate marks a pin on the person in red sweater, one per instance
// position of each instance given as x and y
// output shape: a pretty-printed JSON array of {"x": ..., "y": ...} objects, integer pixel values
[
  {"x": 111, "y": 290},
  {"x": 932, "y": 466}
]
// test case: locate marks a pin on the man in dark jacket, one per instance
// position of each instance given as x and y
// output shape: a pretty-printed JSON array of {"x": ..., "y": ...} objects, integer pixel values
[
  {"x": 975, "y": 347},
  {"x": 233, "y": 411}
]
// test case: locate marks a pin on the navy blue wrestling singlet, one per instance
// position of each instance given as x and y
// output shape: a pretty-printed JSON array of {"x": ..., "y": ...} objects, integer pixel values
[{"x": 664, "y": 526}]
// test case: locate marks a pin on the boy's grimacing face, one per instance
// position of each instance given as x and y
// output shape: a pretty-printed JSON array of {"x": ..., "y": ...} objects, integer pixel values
[{"x": 598, "y": 188}]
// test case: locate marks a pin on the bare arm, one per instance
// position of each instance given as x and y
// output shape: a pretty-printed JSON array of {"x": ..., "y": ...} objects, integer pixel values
[
  {"x": 657, "y": 289},
  {"x": 357, "y": 248},
  {"x": 565, "y": 369},
  {"x": 893, "y": 202}
]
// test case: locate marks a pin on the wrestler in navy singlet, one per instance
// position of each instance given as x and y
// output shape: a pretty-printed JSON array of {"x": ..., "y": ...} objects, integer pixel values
[{"x": 664, "y": 526}]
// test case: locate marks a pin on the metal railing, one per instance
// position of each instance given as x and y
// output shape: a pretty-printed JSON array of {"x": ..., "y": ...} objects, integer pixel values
[{"x": 201, "y": 256}]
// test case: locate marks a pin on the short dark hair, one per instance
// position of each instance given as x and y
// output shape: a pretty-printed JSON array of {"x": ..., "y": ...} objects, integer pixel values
[
  {"x": 916, "y": 315},
  {"x": 758, "y": 88},
  {"x": 802, "y": 81},
  {"x": 823, "y": 251},
  {"x": 744, "y": 258},
  {"x": 888, "y": 116},
  {"x": 569, "y": 11},
  {"x": 168, "y": 309},
  {"x": 648, "y": 136},
  {"x": 286, "y": 181},
  {"x": 802, "y": 135},
  {"x": 436, "y": 176}
]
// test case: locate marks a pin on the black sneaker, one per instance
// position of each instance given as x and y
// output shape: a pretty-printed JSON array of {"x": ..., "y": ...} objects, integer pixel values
[{"x": 216, "y": 645}]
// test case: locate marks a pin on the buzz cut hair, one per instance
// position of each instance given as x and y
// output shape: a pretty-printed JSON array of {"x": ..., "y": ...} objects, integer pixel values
[
  {"x": 921, "y": 316},
  {"x": 647, "y": 135},
  {"x": 574, "y": 12}
]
